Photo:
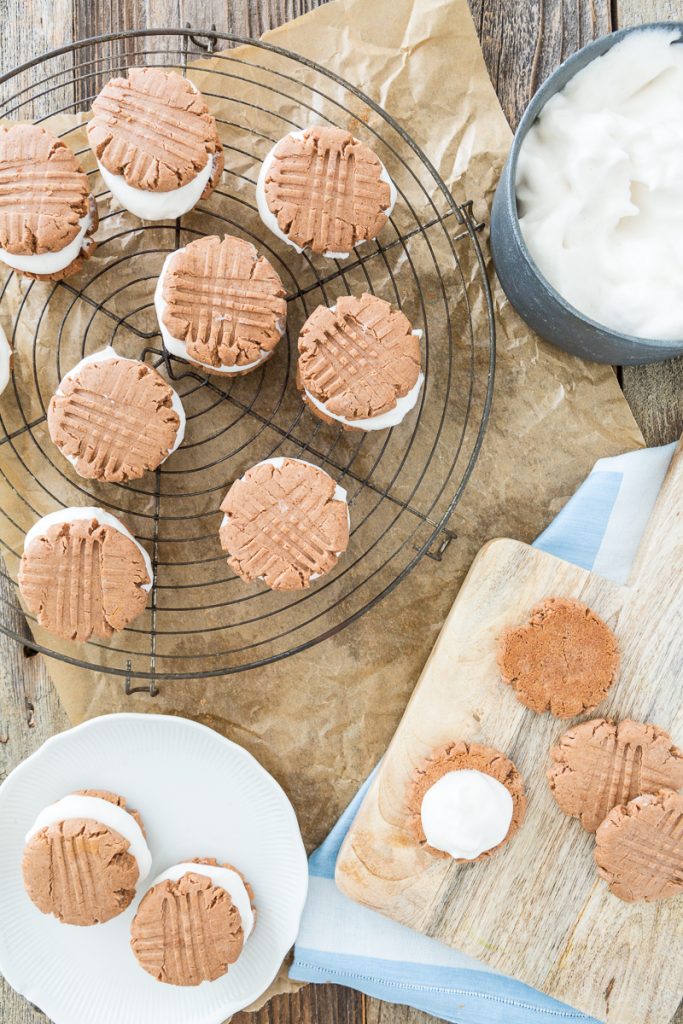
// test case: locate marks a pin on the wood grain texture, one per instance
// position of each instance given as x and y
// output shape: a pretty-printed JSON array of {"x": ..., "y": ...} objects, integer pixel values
[
  {"x": 523, "y": 40},
  {"x": 548, "y": 919},
  {"x": 246, "y": 18}
]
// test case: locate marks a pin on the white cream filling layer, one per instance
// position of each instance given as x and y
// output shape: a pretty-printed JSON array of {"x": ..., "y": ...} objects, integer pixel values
[
  {"x": 269, "y": 218},
  {"x": 158, "y": 205},
  {"x": 93, "y": 808},
  {"x": 465, "y": 813},
  {"x": 50, "y": 262},
  {"x": 110, "y": 353},
  {"x": 179, "y": 348},
  {"x": 5, "y": 360},
  {"x": 224, "y": 878},
  {"x": 75, "y": 514}
]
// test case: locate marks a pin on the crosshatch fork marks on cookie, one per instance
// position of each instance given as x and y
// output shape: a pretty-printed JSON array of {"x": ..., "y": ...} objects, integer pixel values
[{"x": 328, "y": 194}]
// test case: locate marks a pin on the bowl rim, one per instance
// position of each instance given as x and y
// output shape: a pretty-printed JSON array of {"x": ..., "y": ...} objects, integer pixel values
[{"x": 543, "y": 94}]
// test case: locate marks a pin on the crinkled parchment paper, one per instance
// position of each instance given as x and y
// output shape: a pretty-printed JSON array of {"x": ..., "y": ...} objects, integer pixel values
[{"x": 318, "y": 721}]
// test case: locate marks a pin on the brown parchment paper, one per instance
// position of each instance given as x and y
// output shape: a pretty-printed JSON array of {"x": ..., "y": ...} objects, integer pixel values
[{"x": 319, "y": 721}]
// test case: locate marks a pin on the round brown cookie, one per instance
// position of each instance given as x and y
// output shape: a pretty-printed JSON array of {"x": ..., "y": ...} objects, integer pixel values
[
  {"x": 326, "y": 190},
  {"x": 44, "y": 194},
  {"x": 453, "y": 757},
  {"x": 83, "y": 579},
  {"x": 358, "y": 359},
  {"x": 154, "y": 129},
  {"x": 79, "y": 870},
  {"x": 284, "y": 524},
  {"x": 599, "y": 764},
  {"x": 188, "y": 931},
  {"x": 224, "y": 302},
  {"x": 639, "y": 847},
  {"x": 563, "y": 660},
  {"x": 114, "y": 419}
]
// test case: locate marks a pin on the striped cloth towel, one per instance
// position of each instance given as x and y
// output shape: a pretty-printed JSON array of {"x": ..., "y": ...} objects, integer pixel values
[{"x": 341, "y": 942}]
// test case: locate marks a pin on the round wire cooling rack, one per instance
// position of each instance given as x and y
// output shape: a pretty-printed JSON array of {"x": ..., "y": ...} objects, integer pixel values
[{"x": 402, "y": 484}]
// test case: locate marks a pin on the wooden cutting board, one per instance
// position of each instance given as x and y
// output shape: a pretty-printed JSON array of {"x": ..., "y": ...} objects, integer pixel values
[{"x": 536, "y": 910}]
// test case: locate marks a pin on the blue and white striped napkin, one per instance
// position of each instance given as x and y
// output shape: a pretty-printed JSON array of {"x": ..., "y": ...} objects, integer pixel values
[{"x": 341, "y": 942}]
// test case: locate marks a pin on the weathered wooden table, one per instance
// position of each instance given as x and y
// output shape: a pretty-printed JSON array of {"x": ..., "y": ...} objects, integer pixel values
[{"x": 523, "y": 41}]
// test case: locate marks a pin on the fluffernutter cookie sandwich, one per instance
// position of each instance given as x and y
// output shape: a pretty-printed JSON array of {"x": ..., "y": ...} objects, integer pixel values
[
  {"x": 156, "y": 144},
  {"x": 193, "y": 922},
  {"x": 220, "y": 305},
  {"x": 285, "y": 523},
  {"x": 324, "y": 190},
  {"x": 83, "y": 574},
  {"x": 47, "y": 213},
  {"x": 115, "y": 419},
  {"x": 360, "y": 363},
  {"x": 84, "y": 858}
]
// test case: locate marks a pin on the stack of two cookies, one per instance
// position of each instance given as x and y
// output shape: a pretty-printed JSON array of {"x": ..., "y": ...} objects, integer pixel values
[
  {"x": 157, "y": 150},
  {"x": 82, "y": 572},
  {"x": 84, "y": 860},
  {"x": 620, "y": 779}
]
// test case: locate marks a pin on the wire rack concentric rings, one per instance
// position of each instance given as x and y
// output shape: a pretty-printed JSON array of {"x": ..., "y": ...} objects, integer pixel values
[{"x": 403, "y": 485}]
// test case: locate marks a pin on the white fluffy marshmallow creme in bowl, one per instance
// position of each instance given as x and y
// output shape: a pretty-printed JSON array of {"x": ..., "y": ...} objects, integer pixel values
[{"x": 586, "y": 222}]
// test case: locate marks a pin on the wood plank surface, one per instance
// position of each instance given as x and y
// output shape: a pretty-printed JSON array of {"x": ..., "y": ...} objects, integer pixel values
[
  {"x": 523, "y": 40},
  {"x": 556, "y": 927}
]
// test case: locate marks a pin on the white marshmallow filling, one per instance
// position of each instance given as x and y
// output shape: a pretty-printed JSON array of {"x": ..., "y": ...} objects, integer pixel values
[
  {"x": 465, "y": 813},
  {"x": 269, "y": 218},
  {"x": 598, "y": 187},
  {"x": 75, "y": 514},
  {"x": 5, "y": 360},
  {"x": 224, "y": 878},
  {"x": 178, "y": 348},
  {"x": 110, "y": 353},
  {"x": 50, "y": 262},
  {"x": 149, "y": 205},
  {"x": 77, "y": 806}
]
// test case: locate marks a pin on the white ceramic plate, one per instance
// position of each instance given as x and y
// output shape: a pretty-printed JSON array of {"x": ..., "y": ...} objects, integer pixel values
[{"x": 199, "y": 796}]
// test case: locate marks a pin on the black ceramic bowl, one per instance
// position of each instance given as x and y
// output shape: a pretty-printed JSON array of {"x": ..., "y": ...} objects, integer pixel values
[{"x": 533, "y": 297}]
